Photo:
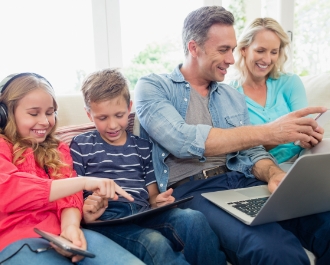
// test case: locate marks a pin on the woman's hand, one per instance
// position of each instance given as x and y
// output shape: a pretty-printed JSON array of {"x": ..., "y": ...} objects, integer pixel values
[
  {"x": 94, "y": 207},
  {"x": 74, "y": 234}
]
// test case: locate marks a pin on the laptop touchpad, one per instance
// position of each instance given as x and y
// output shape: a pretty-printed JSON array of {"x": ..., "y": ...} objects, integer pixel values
[{"x": 254, "y": 191}]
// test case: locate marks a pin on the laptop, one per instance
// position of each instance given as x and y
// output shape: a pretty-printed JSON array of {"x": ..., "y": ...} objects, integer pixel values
[
  {"x": 305, "y": 190},
  {"x": 138, "y": 215}
]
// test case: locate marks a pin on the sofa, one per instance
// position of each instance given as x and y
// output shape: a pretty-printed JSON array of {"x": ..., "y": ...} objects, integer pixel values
[{"x": 72, "y": 118}]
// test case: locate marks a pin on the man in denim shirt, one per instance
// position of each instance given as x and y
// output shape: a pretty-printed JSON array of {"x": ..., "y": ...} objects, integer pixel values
[{"x": 202, "y": 142}]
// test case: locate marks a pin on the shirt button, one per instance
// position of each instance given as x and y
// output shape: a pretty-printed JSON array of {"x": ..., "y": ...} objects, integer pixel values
[
  {"x": 161, "y": 184},
  {"x": 163, "y": 154},
  {"x": 185, "y": 99},
  {"x": 187, "y": 85},
  {"x": 165, "y": 171}
]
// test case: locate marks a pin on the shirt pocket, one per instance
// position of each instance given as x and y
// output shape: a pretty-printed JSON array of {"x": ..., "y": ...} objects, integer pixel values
[{"x": 235, "y": 120}]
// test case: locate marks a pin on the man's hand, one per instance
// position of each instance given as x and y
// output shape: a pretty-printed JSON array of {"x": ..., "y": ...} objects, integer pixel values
[
  {"x": 315, "y": 138},
  {"x": 266, "y": 170},
  {"x": 275, "y": 180},
  {"x": 164, "y": 198},
  {"x": 295, "y": 126},
  {"x": 94, "y": 207}
]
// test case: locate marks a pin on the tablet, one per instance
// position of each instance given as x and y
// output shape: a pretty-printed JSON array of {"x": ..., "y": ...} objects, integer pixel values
[
  {"x": 137, "y": 215},
  {"x": 64, "y": 243}
]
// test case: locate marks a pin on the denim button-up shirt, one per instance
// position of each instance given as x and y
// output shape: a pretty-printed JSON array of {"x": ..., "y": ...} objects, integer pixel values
[{"x": 161, "y": 103}]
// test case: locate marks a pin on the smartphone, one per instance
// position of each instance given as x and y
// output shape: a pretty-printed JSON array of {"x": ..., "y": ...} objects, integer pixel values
[
  {"x": 323, "y": 118},
  {"x": 64, "y": 243}
]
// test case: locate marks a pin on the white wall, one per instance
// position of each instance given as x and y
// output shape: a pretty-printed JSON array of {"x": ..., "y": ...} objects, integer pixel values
[{"x": 212, "y": 2}]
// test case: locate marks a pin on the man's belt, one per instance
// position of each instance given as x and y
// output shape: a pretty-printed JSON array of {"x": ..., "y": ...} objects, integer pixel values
[{"x": 204, "y": 174}]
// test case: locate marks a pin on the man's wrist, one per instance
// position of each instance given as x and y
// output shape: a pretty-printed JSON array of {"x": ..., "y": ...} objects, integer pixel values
[
  {"x": 265, "y": 135},
  {"x": 273, "y": 171},
  {"x": 265, "y": 169}
]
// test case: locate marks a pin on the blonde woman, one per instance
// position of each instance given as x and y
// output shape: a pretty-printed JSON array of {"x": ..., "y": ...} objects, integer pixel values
[{"x": 269, "y": 91}]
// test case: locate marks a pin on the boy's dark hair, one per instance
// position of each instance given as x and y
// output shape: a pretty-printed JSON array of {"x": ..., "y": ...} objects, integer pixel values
[
  {"x": 104, "y": 85},
  {"x": 198, "y": 22}
]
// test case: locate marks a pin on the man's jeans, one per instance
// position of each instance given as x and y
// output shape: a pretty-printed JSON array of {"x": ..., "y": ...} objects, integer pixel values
[
  {"x": 106, "y": 252},
  {"x": 272, "y": 243},
  {"x": 175, "y": 236}
]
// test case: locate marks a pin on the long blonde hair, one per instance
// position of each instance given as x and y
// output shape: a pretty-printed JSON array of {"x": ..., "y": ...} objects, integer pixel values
[
  {"x": 46, "y": 153},
  {"x": 247, "y": 37}
]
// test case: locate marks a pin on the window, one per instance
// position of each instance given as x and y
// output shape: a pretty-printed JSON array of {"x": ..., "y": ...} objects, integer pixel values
[
  {"x": 151, "y": 35},
  {"x": 311, "y": 37},
  {"x": 51, "y": 38}
]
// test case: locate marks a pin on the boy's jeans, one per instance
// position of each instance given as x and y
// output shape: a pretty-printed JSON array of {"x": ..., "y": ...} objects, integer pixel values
[{"x": 175, "y": 236}]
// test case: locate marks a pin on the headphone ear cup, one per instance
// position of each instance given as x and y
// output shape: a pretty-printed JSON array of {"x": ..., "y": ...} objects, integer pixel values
[{"x": 3, "y": 115}]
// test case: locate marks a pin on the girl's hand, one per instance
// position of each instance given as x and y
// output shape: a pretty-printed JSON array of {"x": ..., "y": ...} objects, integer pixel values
[
  {"x": 105, "y": 188},
  {"x": 164, "y": 198},
  {"x": 76, "y": 236}
]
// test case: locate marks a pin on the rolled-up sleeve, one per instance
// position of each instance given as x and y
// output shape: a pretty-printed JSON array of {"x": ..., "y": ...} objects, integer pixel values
[{"x": 15, "y": 190}]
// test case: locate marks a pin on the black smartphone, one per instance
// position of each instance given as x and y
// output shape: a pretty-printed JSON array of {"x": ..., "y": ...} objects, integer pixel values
[{"x": 64, "y": 243}]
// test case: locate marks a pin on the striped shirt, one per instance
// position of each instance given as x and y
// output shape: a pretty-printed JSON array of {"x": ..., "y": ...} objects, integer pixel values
[{"x": 129, "y": 165}]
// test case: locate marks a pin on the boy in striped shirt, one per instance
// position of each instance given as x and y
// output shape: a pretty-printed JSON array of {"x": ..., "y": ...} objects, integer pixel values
[{"x": 175, "y": 236}]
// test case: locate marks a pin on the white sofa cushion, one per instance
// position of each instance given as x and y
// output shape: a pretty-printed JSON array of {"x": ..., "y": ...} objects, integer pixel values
[{"x": 318, "y": 93}]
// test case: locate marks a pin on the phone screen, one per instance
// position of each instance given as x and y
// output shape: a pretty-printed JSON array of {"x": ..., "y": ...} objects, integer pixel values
[
  {"x": 323, "y": 118},
  {"x": 64, "y": 243}
]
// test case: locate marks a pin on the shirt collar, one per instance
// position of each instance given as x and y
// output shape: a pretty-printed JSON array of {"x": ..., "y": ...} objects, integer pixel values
[{"x": 177, "y": 76}]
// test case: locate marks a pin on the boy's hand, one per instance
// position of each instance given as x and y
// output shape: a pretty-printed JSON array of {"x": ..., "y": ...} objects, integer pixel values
[
  {"x": 94, "y": 207},
  {"x": 164, "y": 198},
  {"x": 105, "y": 188}
]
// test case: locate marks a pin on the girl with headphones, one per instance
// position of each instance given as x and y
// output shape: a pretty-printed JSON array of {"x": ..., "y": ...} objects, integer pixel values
[{"x": 37, "y": 184}]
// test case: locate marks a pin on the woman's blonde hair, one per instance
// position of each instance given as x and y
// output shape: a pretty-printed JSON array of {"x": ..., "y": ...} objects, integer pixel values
[
  {"x": 46, "y": 153},
  {"x": 247, "y": 37}
]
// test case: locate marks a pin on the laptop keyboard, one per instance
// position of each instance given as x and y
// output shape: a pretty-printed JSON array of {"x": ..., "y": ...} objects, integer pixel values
[{"x": 250, "y": 207}]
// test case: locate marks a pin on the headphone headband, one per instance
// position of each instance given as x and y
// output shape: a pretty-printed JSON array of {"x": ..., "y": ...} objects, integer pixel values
[
  {"x": 3, "y": 85},
  {"x": 7, "y": 80}
]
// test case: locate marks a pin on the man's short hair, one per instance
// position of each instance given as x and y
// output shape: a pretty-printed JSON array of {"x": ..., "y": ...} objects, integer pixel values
[
  {"x": 198, "y": 22},
  {"x": 104, "y": 85}
]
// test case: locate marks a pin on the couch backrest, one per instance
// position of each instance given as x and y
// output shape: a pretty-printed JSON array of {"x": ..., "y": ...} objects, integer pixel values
[
  {"x": 71, "y": 109},
  {"x": 72, "y": 118},
  {"x": 66, "y": 133},
  {"x": 318, "y": 93}
]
